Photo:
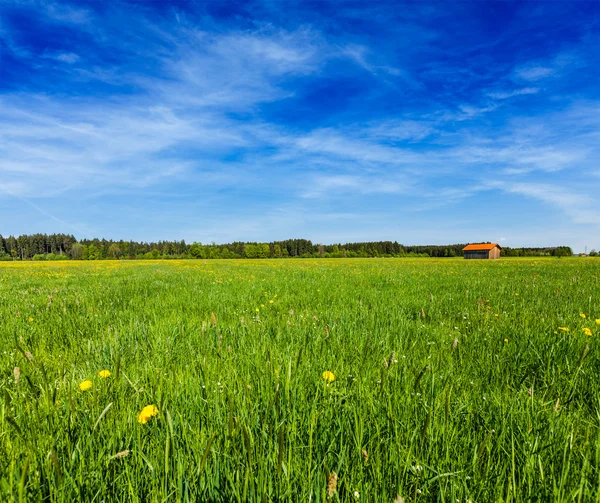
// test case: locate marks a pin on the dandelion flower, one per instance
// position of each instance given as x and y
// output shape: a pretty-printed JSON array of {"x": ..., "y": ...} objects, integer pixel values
[
  {"x": 564, "y": 329},
  {"x": 598, "y": 321},
  {"x": 148, "y": 412},
  {"x": 85, "y": 385},
  {"x": 271, "y": 301},
  {"x": 257, "y": 310},
  {"x": 582, "y": 315},
  {"x": 587, "y": 331},
  {"x": 30, "y": 319},
  {"x": 505, "y": 340},
  {"x": 104, "y": 374},
  {"x": 328, "y": 376}
]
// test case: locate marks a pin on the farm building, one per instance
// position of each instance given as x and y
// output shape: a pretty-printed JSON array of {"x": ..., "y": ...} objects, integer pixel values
[{"x": 482, "y": 250}]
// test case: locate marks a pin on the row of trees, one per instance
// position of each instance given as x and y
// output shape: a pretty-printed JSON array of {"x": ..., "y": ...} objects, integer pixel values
[{"x": 64, "y": 246}]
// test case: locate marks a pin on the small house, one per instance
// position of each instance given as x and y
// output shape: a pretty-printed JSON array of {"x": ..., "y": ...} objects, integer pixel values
[{"x": 482, "y": 250}]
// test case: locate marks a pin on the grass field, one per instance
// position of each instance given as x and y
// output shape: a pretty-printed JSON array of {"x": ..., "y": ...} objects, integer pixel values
[{"x": 454, "y": 380}]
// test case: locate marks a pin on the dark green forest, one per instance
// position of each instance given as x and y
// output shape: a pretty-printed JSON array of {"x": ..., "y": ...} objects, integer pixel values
[{"x": 66, "y": 247}]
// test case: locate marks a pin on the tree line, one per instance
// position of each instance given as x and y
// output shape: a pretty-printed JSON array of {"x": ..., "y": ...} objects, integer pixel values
[{"x": 66, "y": 247}]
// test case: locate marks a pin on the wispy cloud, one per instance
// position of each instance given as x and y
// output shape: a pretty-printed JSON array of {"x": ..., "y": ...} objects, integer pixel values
[
  {"x": 277, "y": 117},
  {"x": 580, "y": 207},
  {"x": 534, "y": 72},
  {"x": 504, "y": 95}
]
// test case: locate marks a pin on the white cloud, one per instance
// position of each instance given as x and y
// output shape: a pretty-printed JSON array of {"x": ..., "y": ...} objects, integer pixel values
[
  {"x": 580, "y": 207},
  {"x": 534, "y": 72},
  {"x": 67, "y": 57},
  {"x": 327, "y": 185},
  {"x": 503, "y": 95}
]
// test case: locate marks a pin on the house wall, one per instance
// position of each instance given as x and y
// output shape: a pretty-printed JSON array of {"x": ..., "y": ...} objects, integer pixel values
[
  {"x": 494, "y": 253},
  {"x": 476, "y": 254}
]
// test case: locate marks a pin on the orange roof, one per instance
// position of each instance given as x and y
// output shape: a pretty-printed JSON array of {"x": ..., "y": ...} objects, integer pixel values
[{"x": 481, "y": 247}]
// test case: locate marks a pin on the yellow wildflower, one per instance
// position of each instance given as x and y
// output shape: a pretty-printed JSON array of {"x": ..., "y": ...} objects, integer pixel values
[
  {"x": 505, "y": 340},
  {"x": 257, "y": 310},
  {"x": 104, "y": 374},
  {"x": 587, "y": 331},
  {"x": 271, "y": 301},
  {"x": 328, "y": 376},
  {"x": 582, "y": 315},
  {"x": 30, "y": 319},
  {"x": 598, "y": 321},
  {"x": 85, "y": 385},
  {"x": 564, "y": 329},
  {"x": 148, "y": 412}
]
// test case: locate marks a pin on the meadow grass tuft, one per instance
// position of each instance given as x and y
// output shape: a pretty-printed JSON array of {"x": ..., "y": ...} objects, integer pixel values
[{"x": 300, "y": 380}]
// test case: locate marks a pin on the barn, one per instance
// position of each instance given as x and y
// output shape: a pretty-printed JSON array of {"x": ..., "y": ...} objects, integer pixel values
[{"x": 482, "y": 250}]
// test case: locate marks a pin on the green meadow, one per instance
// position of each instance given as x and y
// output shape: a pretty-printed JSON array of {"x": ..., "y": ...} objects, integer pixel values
[{"x": 449, "y": 380}]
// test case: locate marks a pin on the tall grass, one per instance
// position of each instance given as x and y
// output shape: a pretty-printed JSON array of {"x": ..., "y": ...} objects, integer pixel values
[{"x": 453, "y": 381}]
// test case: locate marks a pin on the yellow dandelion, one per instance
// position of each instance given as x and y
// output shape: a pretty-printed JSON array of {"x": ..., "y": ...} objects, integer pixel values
[
  {"x": 328, "y": 376},
  {"x": 505, "y": 340},
  {"x": 271, "y": 301},
  {"x": 30, "y": 319},
  {"x": 587, "y": 331},
  {"x": 564, "y": 329},
  {"x": 148, "y": 412},
  {"x": 257, "y": 310},
  {"x": 598, "y": 321},
  {"x": 85, "y": 385},
  {"x": 496, "y": 315},
  {"x": 262, "y": 305},
  {"x": 582, "y": 315},
  {"x": 104, "y": 374}
]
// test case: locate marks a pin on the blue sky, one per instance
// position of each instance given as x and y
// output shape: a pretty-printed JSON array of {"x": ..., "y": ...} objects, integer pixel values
[{"x": 421, "y": 122}]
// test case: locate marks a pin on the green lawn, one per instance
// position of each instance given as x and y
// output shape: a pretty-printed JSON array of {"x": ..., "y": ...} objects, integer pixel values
[{"x": 453, "y": 380}]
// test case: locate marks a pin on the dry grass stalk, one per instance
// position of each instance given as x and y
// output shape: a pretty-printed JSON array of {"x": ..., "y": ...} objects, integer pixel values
[
  {"x": 213, "y": 319},
  {"x": 121, "y": 454},
  {"x": 455, "y": 343},
  {"x": 17, "y": 374},
  {"x": 332, "y": 485}
]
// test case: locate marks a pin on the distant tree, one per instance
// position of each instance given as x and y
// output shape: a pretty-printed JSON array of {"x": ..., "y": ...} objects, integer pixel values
[
  {"x": 93, "y": 252},
  {"x": 76, "y": 252},
  {"x": 593, "y": 253},
  {"x": 114, "y": 251}
]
